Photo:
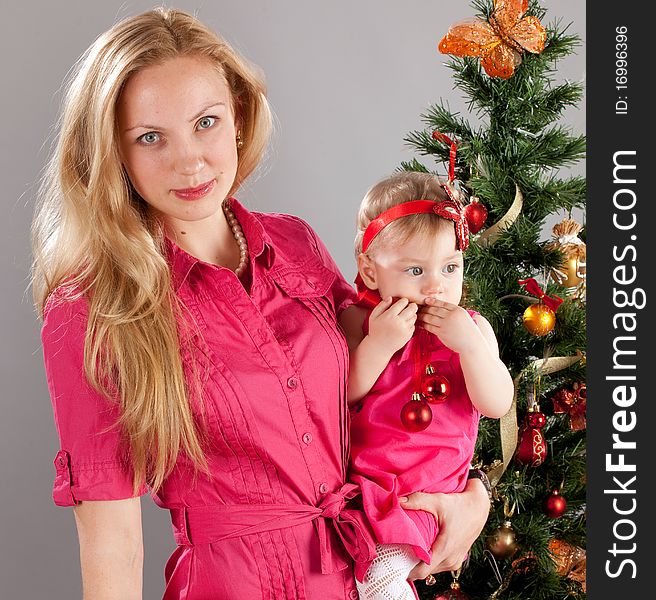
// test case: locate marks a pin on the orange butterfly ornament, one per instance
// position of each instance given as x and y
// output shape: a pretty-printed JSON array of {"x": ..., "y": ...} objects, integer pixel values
[{"x": 500, "y": 41}]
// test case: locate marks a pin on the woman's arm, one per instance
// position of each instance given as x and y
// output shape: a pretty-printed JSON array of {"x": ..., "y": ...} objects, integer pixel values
[
  {"x": 461, "y": 518},
  {"x": 111, "y": 549}
]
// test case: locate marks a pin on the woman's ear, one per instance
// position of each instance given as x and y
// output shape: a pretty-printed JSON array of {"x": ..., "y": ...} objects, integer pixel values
[{"x": 367, "y": 270}]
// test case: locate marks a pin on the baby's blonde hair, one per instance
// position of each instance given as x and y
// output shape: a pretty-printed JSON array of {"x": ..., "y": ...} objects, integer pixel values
[{"x": 397, "y": 189}]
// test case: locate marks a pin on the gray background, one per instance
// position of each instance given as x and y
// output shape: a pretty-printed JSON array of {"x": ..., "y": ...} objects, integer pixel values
[{"x": 347, "y": 81}]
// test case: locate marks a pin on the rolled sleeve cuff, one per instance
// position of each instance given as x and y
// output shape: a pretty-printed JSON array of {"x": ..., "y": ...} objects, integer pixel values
[{"x": 100, "y": 481}]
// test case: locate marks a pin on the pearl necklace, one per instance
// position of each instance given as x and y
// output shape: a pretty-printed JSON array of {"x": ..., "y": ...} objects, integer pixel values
[{"x": 239, "y": 237}]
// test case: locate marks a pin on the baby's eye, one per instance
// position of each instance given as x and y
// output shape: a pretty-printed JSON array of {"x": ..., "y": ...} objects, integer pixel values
[
  {"x": 451, "y": 268},
  {"x": 149, "y": 138},
  {"x": 415, "y": 271},
  {"x": 206, "y": 122}
]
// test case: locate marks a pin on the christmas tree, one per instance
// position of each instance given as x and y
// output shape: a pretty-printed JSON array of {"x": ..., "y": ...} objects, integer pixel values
[{"x": 507, "y": 165}]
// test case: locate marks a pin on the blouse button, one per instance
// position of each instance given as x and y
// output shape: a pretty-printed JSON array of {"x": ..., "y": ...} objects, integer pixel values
[
  {"x": 307, "y": 438},
  {"x": 292, "y": 383},
  {"x": 311, "y": 284},
  {"x": 323, "y": 488},
  {"x": 353, "y": 595},
  {"x": 60, "y": 461}
]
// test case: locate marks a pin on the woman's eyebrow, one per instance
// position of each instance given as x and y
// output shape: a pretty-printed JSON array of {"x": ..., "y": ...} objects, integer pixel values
[
  {"x": 202, "y": 110},
  {"x": 198, "y": 114}
]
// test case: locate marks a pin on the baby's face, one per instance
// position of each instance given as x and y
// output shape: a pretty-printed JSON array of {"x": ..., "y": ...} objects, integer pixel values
[{"x": 425, "y": 266}]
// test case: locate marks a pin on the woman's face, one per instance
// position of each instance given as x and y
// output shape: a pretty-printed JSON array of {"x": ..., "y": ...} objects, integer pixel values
[{"x": 177, "y": 138}]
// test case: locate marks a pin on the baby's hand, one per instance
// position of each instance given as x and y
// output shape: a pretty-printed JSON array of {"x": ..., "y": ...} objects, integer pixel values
[
  {"x": 392, "y": 325},
  {"x": 451, "y": 323}
]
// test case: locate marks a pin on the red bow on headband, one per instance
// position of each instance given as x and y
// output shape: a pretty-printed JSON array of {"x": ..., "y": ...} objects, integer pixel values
[
  {"x": 447, "y": 209},
  {"x": 532, "y": 287}
]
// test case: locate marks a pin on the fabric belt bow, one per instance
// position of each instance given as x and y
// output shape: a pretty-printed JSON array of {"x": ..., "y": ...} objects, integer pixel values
[{"x": 209, "y": 524}]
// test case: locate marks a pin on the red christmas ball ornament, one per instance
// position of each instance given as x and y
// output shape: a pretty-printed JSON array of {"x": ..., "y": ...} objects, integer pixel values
[
  {"x": 453, "y": 593},
  {"x": 532, "y": 447},
  {"x": 536, "y": 419},
  {"x": 554, "y": 505},
  {"x": 416, "y": 414},
  {"x": 435, "y": 388},
  {"x": 476, "y": 215}
]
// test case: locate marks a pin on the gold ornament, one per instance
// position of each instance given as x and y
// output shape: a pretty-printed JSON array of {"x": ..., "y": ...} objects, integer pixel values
[
  {"x": 572, "y": 271},
  {"x": 539, "y": 319},
  {"x": 501, "y": 541},
  {"x": 573, "y": 267}
]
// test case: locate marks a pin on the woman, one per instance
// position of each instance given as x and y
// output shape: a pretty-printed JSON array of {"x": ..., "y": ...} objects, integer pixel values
[{"x": 191, "y": 346}]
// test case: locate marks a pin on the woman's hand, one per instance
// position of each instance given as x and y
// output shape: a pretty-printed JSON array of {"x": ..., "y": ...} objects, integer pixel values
[{"x": 460, "y": 517}]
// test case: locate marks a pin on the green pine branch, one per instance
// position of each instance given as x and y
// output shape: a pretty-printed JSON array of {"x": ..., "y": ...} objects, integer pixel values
[{"x": 517, "y": 139}]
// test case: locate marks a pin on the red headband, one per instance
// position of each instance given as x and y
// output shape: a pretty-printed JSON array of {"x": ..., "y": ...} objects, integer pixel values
[{"x": 448, "y": 209}]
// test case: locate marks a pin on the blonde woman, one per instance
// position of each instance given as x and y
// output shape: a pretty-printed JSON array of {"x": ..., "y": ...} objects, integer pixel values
[{"x": 191, "y": 346}]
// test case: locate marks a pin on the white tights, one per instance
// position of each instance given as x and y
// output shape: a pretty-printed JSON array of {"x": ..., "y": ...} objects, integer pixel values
[{"x": 387, "y": 576}]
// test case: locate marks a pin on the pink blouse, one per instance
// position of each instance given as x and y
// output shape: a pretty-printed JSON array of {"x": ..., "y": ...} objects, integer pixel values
[{"x": 269, "y": 523}]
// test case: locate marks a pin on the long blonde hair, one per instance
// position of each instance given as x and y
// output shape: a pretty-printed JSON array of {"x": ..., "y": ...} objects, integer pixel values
[{"x": 93, "y": 236}]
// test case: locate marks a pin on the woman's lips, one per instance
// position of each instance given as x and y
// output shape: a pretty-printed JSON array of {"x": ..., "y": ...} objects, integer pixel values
[{"x": 195, "y": 193}]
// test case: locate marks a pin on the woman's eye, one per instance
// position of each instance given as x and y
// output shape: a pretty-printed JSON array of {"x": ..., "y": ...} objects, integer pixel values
[
  {"x": 148, "y": 138},
  {"x": 416, "y": 271},
  {"x": 206, "y": 122}
]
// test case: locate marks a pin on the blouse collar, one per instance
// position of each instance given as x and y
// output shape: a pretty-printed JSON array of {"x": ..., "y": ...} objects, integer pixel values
[{"x": 259, "y": 245}]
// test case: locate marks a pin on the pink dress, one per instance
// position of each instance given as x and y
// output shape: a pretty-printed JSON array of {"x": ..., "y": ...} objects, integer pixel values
[
  {"x": 388, "y": 462},
  {"x": 269, "y": 524}
]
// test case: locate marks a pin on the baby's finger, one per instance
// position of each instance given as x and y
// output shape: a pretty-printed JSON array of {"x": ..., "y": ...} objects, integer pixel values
[
  {"x": 432, "y": 319},
  {"x": 434, "y": 302},
  {"x": 430, "y": 328},
  {"x": 411, "y": 319},
  {"x": 412, "y": 308},
  {"x": 399, "y": 305},
  {"x": 381, "y": 307},
  {"x": 434, "y": 311}
]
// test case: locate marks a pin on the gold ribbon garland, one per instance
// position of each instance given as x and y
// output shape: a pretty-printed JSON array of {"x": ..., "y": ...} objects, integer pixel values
[
  {"x": 544, "y": 366},
  {"x": 492, "y": 233},
  {"x": 508, "y": 423}
]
